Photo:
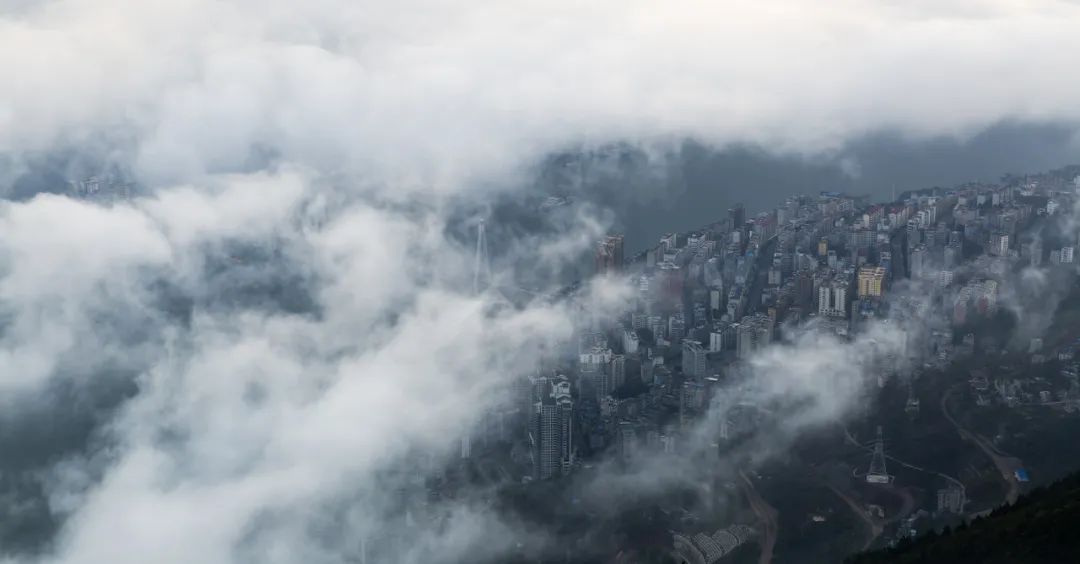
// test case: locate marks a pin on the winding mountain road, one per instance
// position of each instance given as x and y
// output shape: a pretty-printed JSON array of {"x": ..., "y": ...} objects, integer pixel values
[
  {"x": 876, "y": 526},
  {"x": 767, "y": 515},
  {"x": 1006, "y": 465}
]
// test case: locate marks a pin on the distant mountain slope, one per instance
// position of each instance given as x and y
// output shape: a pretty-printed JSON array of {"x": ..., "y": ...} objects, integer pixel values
[{"x": 1041, "y": 527}]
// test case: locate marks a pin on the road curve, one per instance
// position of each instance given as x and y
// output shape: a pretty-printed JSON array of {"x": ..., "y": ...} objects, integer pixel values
[
  {"x": 767, "y": 515},
  {"x": 875, "y": 527},
  {"x": 1006, "y": 465}
]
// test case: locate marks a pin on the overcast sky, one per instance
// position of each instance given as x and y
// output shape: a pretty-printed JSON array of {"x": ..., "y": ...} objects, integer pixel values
[
  {"x": 280, "y": 321},
  {"x": 428, "y": 93},
  {"x": 707, "y": 181}
]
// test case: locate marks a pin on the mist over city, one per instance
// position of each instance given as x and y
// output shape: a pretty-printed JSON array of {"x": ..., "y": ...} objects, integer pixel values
[{"x": 539, "y": 282}]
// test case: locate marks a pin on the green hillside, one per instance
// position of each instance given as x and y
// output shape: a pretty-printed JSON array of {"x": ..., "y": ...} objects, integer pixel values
[{"x": 1041, "y": 527}]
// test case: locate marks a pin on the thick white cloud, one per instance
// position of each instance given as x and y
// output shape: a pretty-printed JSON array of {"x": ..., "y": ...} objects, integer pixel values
[
  {"x": 426, "y": 93},
  {"x": 60, "y": 261},
  {"x": 247, "y": 420}
]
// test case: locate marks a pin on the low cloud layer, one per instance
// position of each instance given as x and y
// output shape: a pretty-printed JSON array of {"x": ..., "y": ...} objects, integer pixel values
[
  {"x": 246, "y": 419},
  {"x": 425, "y": 94},
  {"x": 254, "y": 358}
]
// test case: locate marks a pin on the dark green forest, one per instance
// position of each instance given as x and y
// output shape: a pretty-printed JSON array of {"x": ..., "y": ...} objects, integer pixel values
[{"x": 1042, "y": 527}]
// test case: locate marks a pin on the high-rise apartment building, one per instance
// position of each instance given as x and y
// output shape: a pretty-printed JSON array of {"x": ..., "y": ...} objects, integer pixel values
[
  {"x": 918, "y": 260},
  {"x": 695, "y": 364},
  {"x": 871, "y": 282},
  {"x": 551, "y": 430},
  {"x": 609, "y": 255},
  {"x": 999, "y": 244},
  {"x": 833, "y": 297},
  {"x": 953, "y": 254},
  {"x": 737, "y": 215},
  {"x": 754, "y": 333}
]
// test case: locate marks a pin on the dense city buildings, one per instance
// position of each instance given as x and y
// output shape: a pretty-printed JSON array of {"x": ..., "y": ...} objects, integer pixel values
[
  {"x": 710, "y": 300},
  {"x": 707, "y": 304},
  {"x": 669, "y": 374}
]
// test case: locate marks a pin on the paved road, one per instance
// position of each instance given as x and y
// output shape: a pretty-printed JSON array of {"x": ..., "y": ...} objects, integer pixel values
[
  {"x": 876, "y": 526},
  {"x": 767, "y": 515},
  {"x": 1006, "y": 465}
]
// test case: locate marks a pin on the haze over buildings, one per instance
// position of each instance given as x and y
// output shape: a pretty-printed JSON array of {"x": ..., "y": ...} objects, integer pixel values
[{"x": 244, "y": 317}]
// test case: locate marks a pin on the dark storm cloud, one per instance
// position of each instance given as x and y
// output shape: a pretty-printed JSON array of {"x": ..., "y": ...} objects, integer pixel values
[{"x": 696, "y": 184}]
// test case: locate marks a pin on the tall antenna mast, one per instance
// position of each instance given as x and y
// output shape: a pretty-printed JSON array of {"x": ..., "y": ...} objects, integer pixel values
[
  {"x": 482, "y": 268},
  {"x": 878, "y": 474}
]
